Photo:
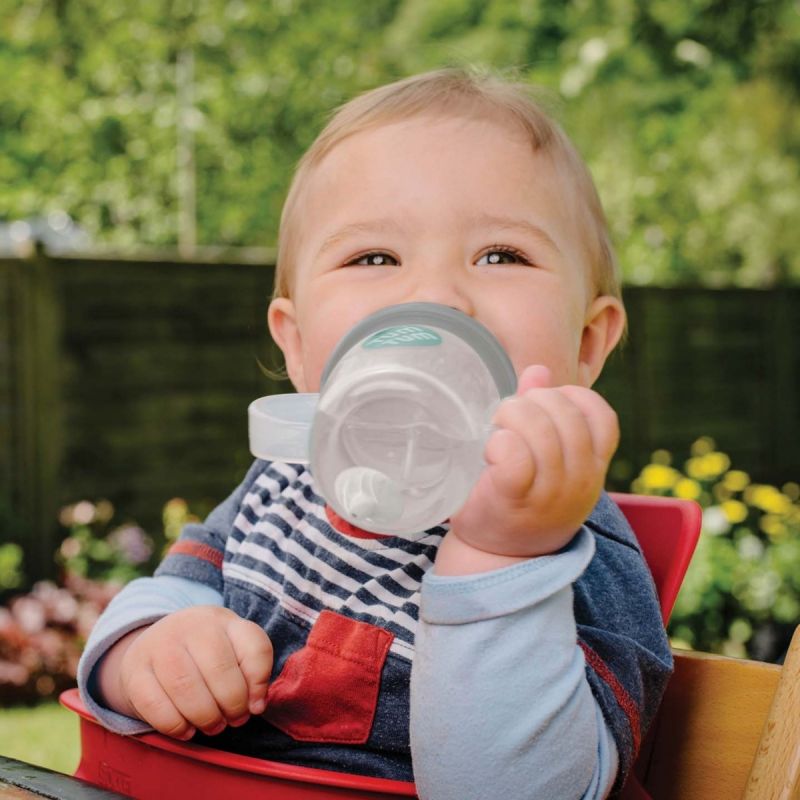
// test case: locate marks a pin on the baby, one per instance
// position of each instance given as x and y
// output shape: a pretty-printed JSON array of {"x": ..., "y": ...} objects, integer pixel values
[{"x": 514, "y": 651}]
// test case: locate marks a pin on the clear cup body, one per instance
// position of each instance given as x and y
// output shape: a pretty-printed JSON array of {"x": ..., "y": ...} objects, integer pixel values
[{"x": 398, "y": 435}]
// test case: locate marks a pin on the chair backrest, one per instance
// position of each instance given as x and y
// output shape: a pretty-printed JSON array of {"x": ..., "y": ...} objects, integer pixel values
[
  {"x": 727, "y": 728},
  {"x": 667, "y": 529}
]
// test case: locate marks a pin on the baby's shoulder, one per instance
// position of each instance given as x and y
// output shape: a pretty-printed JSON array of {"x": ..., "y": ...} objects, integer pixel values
[{"x": 618, "y": 573}]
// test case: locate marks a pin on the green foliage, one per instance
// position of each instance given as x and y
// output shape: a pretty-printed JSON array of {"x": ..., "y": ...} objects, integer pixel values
[
  {"x": 11, "y": 574},
  {"x": 42, "y": 632},
  {"x": 96, "y": 550},
  {"x": 741, "y": 594},
  {"x": 686, "y": 112}
]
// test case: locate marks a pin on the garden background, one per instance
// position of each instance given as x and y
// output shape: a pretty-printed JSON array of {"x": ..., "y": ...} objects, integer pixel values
[{"x": 144, "y": 154}]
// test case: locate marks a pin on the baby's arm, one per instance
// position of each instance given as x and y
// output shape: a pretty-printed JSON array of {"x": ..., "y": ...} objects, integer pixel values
[
  {"x": 141, "y": 603},
  {"x": 509, "y": 636},
  {"x": 190, "y": 576},
  {"x": 499, "y": 680},
  {"x": 500, "y": 704}
]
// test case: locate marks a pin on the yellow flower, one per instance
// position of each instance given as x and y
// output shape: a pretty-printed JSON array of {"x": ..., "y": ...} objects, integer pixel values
[
  {"x": 707, "y": 466},
  {"x": 717, "y": 463},
  {"x": 661, "y": 457},
  {"x": 721, "y": 493},
  {"x": 694, "y": 468},
  {"x": 735, "y": 511},
  {"x": 768, "y": 499},
  {"x": 791, "y": 490},
  {"x": 175, "y": 515},
  {"x": 705, "y": 444},
  {"x": 659, "y": 476},
  {"x": 736, "y": 480},
  {"x": 687, "y": 488},
  {"x": 772, "y": 525}
]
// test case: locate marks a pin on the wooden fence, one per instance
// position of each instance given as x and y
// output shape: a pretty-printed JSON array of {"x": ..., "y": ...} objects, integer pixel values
[{"x": 130, "y": 380}]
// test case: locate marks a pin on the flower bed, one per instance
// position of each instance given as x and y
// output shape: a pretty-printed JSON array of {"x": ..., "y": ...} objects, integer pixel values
[
  {"x": 741, "y": 594},
  {"x": 42, "y": 632}
]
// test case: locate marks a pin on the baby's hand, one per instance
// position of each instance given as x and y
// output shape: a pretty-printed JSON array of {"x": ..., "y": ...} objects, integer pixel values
[
  {"x": 200, "y": 668},
  {"x": 546, "y": 466}
]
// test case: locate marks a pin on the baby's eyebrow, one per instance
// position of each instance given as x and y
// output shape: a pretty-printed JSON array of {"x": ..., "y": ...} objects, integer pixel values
[
  {"x": 512, "y": 224},
  {"x": 381, "y": 225}
]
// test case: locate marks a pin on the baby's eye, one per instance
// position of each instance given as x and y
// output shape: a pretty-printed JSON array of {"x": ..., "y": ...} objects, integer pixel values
[
  {"x": 376, "y": 259},
  {"x": 502, "y": 255}
]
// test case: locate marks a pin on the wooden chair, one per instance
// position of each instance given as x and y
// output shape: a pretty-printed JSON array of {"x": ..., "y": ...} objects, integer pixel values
[{"x": 728, "y": 728}]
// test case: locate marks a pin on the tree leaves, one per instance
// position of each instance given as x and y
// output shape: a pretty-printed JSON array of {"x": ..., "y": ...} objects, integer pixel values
[{"x": 686, "y": 113}]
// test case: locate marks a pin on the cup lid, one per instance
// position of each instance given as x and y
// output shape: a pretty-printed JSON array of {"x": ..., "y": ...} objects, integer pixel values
[{"x": 475, "y": 334}]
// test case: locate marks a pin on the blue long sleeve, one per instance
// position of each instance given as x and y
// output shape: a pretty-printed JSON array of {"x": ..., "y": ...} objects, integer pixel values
[{"x": 500, "y": 703}]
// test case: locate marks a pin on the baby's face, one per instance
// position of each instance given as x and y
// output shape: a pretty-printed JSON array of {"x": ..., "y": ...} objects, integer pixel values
[{"x": 452, "y": 211}]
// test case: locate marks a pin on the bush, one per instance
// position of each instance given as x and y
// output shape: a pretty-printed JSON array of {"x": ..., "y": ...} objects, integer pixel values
[
  {"x": 42, "y": 633},
  {"x": 11, "y": 575},
  {"x": 741, "y": 594},
  {"x": 94, "y": 549}
]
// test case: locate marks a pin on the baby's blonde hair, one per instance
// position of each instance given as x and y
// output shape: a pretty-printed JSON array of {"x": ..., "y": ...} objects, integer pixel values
[{"x": 459, "y": 92}]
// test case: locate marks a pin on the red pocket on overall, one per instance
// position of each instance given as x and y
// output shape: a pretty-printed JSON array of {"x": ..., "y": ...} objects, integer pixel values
[{"x": 328, "y": 690}]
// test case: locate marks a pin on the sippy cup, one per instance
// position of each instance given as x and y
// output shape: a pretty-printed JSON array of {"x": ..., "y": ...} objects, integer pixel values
[{"x": 395, "y": 437}]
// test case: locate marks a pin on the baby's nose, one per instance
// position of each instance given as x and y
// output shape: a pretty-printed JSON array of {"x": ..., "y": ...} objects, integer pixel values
[{"x": 443, "y": 291}]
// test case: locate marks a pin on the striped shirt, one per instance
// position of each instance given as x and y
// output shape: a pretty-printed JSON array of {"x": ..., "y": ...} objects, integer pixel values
[{"x": 284, "y": 545}]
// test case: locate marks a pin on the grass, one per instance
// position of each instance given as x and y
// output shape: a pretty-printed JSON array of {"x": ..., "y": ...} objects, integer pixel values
[{"x": 45, "y": 735}]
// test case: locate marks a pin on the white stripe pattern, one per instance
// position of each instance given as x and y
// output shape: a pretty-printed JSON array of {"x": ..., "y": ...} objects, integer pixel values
[{"x": 283, "y": 545}]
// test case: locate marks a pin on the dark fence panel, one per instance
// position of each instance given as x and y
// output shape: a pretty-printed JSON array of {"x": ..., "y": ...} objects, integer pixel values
[
  {"x": 130, "y": 381},
  {"x": 7, "y": 400},
  {"x": 722, "y": 363}
]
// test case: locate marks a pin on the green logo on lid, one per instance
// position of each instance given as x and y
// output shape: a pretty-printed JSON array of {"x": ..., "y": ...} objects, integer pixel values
[{"x": 403, "y": 336}]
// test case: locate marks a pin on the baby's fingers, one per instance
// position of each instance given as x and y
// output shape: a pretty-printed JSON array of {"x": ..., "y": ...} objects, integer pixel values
[
  {"x": 600, "y": 417},
  {"x": 511, "y": 465},
  {"x": 253, "y": 650},
  {"x": 180, "y": 673},
  {"x": 152, "y": 704},
  {"x": 218, "y": 663}
]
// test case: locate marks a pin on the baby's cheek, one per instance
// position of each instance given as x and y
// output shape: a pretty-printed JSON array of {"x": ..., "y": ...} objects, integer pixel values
[{"x": 314, "y": 359}]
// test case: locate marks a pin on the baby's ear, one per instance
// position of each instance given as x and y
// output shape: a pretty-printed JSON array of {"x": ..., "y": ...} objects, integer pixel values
[
  {"x": 602, "y": 330},
  {"x": 285, "y": 332}
]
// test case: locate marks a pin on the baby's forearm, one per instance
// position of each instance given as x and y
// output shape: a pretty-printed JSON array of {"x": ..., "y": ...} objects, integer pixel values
[
  {"x": 457, "y": 557},
  {"x": 500, "y": 702},
  {"x": 112, "y": 694}
]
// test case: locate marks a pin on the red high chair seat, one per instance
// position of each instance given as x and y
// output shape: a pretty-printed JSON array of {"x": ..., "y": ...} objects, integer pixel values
[{"x": 154, "y": 767}]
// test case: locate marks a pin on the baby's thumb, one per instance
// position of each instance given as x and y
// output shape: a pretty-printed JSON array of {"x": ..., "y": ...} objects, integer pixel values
[
  {"x": 253, "y": 650},
  {"x": 535, "y": 376}
]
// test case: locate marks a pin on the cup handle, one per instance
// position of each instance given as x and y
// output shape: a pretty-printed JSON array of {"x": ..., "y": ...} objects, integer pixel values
[{"x": 279, "y": 426}]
